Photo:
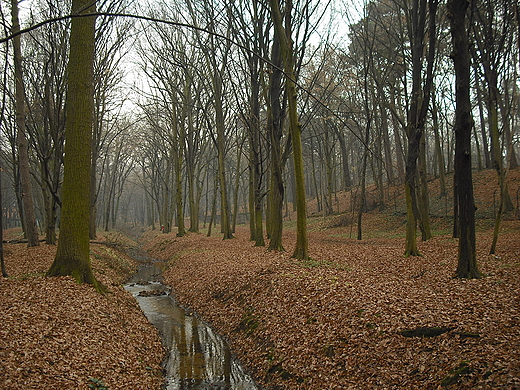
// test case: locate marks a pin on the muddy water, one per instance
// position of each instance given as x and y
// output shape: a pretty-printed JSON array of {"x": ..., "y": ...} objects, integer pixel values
[{"x": 197, "y": 358}]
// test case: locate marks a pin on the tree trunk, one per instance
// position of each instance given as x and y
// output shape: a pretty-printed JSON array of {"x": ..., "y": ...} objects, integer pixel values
[
  {"x": 438, "y": 149},
  {"x": 50, "y": 215},
  {"x": 485, "y": 146},
  {"x": 213, "y": 206},
  {"x": 346, "y": 181},
  {"x": 73, "y": 255},
  {"x": 28, "y": 214},
  {"x": 417, "y": 114},
  {"x": 399, "y": 153},
  {"x": 386, "y": 143},
  {"x": 424, "y": 208},
  {"x": 237, "y": 187},
  {"x": 177, "y": 148},
  {"x": 467, "y": 257},
  {"x": 362, "y": 200},
  {"x": 275, "y": 129},
  {"x": 328, "y": 151},
  {"x": 301, "y": 249},
  {"x": 256, "y": 172},
  {"x": 2, "y": 260},
  {"x": 93, "y": 193}
]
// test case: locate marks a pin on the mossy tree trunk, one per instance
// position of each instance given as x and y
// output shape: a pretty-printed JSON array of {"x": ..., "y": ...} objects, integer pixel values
[
  {"x": 256, "y": 149},
  {"x": 178, "y": 156},
  {"x": 28, "y": 213},
  {"x": 467, "y": 257},
  {"x": 73, "y": 254},
  {"x": 302, "y": 245}
]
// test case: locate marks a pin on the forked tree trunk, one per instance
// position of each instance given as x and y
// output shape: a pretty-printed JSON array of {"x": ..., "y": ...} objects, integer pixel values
[
  {"x": 417, "y": 115},
  {"x": 467, "y": 257},
  {"x": 302, "y": 246},
  {"x": 275, "y": 129}
]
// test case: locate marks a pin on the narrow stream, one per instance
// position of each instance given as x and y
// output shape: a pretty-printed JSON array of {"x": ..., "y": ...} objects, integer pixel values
[{"x": 197, "y": 357}]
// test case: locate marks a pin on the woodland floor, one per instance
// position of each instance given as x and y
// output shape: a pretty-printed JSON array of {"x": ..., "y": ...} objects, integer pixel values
[
  {"x": 56, "y": 334},
  {"x": 333, "y": 322}
]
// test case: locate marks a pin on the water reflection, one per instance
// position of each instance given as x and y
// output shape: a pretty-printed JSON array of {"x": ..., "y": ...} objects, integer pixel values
[{"x": 197, "y": 357}]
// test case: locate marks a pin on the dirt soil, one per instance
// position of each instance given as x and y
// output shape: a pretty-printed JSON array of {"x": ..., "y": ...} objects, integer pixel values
[{"x": 56, "y": 334}]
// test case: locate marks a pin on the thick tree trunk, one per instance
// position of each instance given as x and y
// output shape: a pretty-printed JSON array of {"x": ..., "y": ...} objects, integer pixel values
[
  {"x": 73, "y": 255},
  {"x": 221, "y": 148},
  {"x": 28, "y": 215},
  {"x": 193, "y": 199},
  {"x": 467, "y": 257}
]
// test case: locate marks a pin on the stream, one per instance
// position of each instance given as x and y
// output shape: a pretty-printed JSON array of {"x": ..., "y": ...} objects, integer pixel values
[{"x": 197, "y": 357}]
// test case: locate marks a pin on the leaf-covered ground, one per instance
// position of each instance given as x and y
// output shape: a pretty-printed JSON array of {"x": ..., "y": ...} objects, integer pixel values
[
  {"x": 56, "y": 334},
  {"x": 335, "y": 322}
]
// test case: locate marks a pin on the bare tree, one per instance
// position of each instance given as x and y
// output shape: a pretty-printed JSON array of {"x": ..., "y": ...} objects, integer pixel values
[
  {"x": 467, "y": 256},
  {"x": 417, "y": 116},
  {"x": 28, "y": 213},
  {"x": 284, "y": 38}
]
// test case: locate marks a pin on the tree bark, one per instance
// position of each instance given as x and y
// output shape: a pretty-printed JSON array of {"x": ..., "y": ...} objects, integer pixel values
[
  {"x": 301, "y": 250},
  {"x": 417, "y": 114},
  {"x": 178, "y": 147},
  {"x": 73, "y": 255},
  {"x": 275, "y": 115},
  {"x": 467, "y": 258}
]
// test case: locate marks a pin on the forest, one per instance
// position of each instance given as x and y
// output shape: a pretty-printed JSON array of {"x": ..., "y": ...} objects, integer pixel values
[{"x": 276, "y": 154}]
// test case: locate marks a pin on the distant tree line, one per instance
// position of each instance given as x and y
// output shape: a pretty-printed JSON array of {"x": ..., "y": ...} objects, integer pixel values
[{"x": 258, "y": 106}]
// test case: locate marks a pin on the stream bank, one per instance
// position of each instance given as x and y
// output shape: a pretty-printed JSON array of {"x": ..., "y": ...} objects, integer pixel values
[
  {"x": 196, "y": 357},
  {"x": 335, "y": 321}
]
